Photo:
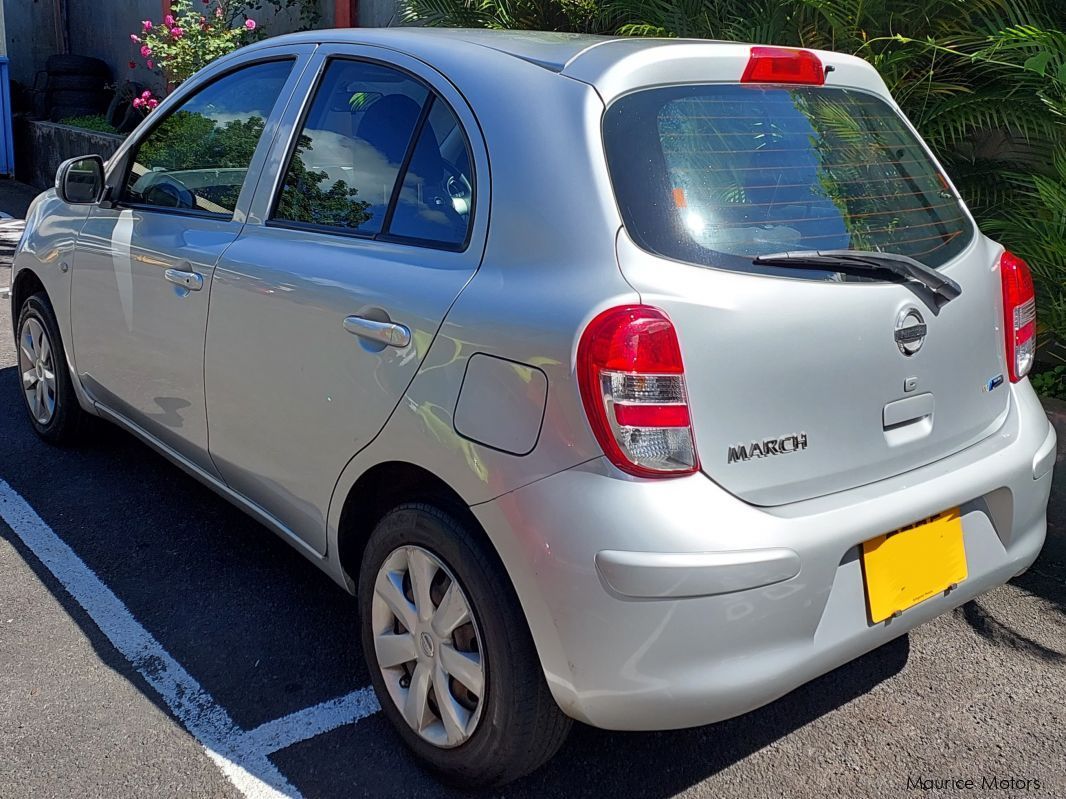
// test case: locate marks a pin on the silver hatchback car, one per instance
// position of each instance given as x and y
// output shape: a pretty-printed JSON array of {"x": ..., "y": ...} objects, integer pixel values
[{"x": 629, "y": 381}]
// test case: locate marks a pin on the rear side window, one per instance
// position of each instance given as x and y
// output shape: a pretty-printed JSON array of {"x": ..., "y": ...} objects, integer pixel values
[
  {"x": 718, "y": 174},
  {"x": 379, "y": 155},
  {"x": 438, "y": 191}
]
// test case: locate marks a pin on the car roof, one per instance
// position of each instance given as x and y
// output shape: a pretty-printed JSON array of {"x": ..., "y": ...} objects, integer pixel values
[
  {"x": 611, "y": 64},
  {"x": 548, "y": 49}
]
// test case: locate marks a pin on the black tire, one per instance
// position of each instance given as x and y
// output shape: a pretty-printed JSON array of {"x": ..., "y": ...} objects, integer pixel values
[
  {"x": 521, "y": 726},
  {"x": 130, "y": 120},
  {"x": 68, "y": 419},
  {"x": 78, "y": 98},
  {"x": 76, "y": 65},
  {"x": 116, "y": 109},
  {"x": 78, "y": 83}
]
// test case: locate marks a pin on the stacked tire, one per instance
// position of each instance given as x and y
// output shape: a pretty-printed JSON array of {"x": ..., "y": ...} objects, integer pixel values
[
  {"x": 121, "y": 115},
  {"x": 76, "y": 86}
]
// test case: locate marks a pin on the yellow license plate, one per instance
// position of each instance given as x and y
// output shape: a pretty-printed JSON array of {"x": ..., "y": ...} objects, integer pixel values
[{"x": 912, "y": 564}]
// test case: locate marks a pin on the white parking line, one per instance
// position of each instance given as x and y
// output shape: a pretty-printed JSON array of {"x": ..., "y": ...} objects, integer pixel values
[
  {"x": 303, "y": 724},
  {"x": 241, "y": 755}
]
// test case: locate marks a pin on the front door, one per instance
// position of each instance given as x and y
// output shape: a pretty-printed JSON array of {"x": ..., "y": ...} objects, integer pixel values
[
  {"x": 322, "y": 313},
  {"x": 143, "y": 268}
]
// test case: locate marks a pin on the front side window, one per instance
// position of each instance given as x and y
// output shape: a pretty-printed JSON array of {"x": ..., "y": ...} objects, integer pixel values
[
  {"x": 366, "y": 125},
  {"x": 197, "y": 158},
  {"x": 718, "y": 174}
]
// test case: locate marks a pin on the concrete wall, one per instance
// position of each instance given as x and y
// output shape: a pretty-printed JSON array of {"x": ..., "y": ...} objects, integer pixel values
[
  {"x": 40, "y": 147},
  {"x": 30, "y": 36},
  {"x": 102, "y": 28},
  {"x": 3, "y": 32},
  {"x": 378, "y": 13}
]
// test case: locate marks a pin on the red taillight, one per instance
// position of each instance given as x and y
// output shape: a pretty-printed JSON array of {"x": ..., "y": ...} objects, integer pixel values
[
  {"x": 1019, "y": 315},
  {"x": 783, "y": 65},
  {"x": 633, "y": 387}
]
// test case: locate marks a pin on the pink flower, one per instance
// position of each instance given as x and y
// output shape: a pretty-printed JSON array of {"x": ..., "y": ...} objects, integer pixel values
[
  {"x": 176, "y": 32},
  {"x": 147, "y": 24},
  {"x": 137, "y": 102},
  {"x": 146, "y": 94},
  {"x": 151, "y": 64},
  {"x": 203, "y": 23},
  {"x": 249, "y": 24},
  {"x": 218, "y": 12},
  {"x": 146, "y": 50},
  {"x": 135, "y": 38},
  {"x": 168, "y": 20},
  {"x": 153, "y": 103}
]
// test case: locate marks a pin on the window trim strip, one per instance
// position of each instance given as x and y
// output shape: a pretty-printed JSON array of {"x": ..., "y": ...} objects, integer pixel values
[{"x": 401, "y": 176}]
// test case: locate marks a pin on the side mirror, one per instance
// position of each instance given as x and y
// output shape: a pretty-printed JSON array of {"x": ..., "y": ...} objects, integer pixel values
[{"x": 80, "y": 181}]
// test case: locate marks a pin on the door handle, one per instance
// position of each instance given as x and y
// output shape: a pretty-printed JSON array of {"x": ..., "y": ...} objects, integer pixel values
[
  {"x": 193, "y": 281},
  {"x": 388, "y": 333}
]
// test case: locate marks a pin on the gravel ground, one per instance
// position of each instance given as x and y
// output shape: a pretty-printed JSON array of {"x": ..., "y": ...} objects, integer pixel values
[{"x": 979, "y": 694}]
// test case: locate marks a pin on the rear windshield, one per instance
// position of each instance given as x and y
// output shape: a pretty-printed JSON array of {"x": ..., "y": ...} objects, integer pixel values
[{"x": 718, "y": 174}]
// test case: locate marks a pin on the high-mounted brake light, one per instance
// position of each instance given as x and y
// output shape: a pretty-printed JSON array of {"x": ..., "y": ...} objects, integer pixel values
[
  {"x": 1019, "y": 315},
  {"x": 783, "y": 65},
  {"x": 633, "y": 387}
]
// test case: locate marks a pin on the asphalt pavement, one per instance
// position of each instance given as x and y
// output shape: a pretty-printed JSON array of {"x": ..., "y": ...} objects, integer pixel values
[{"x": 978, "y": 694}]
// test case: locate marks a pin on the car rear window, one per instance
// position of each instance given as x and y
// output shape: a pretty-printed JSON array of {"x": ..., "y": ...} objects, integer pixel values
[{"x": 718, "y": 174}]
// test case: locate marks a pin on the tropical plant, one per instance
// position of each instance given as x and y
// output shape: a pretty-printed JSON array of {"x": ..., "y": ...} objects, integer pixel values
[{"x": 984, "y": 81}]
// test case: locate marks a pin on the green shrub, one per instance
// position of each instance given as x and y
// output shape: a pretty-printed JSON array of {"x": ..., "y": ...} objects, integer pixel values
[
  {"x": 1050, "y": 382},
  {"x": 96, "y": 122}
]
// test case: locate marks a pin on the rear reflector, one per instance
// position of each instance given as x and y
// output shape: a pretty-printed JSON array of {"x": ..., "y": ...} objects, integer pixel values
[
  {"x": 783, "y": 65},
  {"x": 1019, "y": 315},
  {"x": 633, "y": 387}
]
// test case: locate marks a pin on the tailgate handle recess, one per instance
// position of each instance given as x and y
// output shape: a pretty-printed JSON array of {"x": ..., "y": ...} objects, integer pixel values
[{"x": 907, "y": 411}]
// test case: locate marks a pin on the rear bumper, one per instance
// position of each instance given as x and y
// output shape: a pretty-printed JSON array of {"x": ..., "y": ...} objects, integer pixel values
[{"x": 663, "y": 604}]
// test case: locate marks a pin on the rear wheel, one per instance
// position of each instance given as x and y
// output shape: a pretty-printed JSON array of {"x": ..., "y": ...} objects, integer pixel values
[
  {"x": 47, "y": 392},
  {"x": 450, "y": 656}
]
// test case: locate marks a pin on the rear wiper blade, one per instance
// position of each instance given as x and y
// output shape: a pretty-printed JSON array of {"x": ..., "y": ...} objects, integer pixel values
[{"x": 944, "y": 289}]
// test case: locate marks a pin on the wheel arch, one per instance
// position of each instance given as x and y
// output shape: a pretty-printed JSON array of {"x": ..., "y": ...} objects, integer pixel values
[
  {"x": 26, "y": 284},
  {"x": 383, "y": 487}
]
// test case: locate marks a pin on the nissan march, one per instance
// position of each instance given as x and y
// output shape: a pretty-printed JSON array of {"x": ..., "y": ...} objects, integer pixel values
[{"x": 636, "y": 382}]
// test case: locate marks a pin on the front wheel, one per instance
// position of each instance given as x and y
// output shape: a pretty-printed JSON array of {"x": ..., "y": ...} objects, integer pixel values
[
  {"x": 450, "y": 655},
  {"x": 47, "y": 392}
]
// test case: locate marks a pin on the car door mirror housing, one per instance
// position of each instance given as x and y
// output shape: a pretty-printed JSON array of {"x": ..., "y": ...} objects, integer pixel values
[{"x": 80, "y": 181}]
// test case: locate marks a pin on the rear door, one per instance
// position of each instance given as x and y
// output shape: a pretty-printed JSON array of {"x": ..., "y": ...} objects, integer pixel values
[
  {"x": 802, "y": 383},
  {"x": 143, "y": 267},
  {"x": 364, "y": 230}
]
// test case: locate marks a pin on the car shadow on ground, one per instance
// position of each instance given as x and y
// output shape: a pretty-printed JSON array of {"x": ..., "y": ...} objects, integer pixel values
[
  {"x": 267, "y": 634},
  {"x": 592, "y": 763},
  {"x": 995, "y": 631}
]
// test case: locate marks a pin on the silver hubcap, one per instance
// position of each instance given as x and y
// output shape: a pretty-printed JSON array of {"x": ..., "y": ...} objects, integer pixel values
[
  {"x": 428, "y": 646},
  {"x": 38, "y": 371}
]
